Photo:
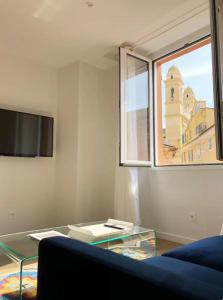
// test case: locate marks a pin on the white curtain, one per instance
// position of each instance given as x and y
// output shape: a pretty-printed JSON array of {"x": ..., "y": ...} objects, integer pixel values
[{"x": 127, "y": 206}]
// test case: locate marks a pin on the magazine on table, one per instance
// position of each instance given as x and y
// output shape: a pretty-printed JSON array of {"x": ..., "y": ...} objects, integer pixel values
[
  {"x": 45, "y": 234},
  {"x": 92, "y": 233}
]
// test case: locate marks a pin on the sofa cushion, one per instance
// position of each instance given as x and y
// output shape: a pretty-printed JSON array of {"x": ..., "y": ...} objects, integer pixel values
[
  {"x": 206, "y": 252},
  {"x": 182, "y": 268}
]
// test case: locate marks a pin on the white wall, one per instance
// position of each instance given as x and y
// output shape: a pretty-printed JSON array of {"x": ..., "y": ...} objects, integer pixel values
[
  {"x": 174, "y": 194},
  {"x": 86, "y": 144},
  {"x": 96, "y": 144},
  {"x": 67, "y": 141},
  {"x": 26, "y": 184}
]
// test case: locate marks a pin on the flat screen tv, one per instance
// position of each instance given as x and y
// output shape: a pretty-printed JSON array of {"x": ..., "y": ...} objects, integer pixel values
[{"x": 25, "y": 135}]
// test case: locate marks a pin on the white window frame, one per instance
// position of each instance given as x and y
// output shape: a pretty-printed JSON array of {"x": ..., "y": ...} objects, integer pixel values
[{"x": 123, "y": 161}]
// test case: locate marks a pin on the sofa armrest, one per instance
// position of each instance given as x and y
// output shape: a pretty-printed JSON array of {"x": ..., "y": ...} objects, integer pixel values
[
  {"x": 69, "y": 268},
  {"x": 206, "y": 252}
]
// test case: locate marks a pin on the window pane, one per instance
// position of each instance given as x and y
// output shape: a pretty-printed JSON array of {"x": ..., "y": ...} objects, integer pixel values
[
  {"x": 185, "y": 123},
  {"x": 135, "y": 111}
]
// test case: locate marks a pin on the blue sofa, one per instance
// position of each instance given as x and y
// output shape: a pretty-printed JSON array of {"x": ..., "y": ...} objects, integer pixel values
[{"x": 72, "y": 270}]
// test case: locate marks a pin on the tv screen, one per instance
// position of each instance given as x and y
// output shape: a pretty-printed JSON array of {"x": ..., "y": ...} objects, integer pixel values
[{"x": 24, "y": 134}]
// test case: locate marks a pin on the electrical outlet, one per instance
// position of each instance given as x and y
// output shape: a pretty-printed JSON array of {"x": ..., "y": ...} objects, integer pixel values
[{"x": 193, "y": 216}]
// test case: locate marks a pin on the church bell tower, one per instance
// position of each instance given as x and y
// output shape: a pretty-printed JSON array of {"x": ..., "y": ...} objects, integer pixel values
[{"x": 174, "y": 106}]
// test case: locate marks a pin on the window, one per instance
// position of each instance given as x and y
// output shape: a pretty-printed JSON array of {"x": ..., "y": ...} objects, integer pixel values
[
  {"x": 190, "y": 155},
  {"x": 201, "y": 127},
  {"x": 198, "y": 151},
  {"x": 185, "y": 113},
  {"x": 183, "y": 156},
  {"x": 134, "y": 109},
  {"x": 184, "y": 140},
  {"x": 209, "y": 143},
  {"x": 184, "y": 106},
  {"x": 198, "y": 130}
]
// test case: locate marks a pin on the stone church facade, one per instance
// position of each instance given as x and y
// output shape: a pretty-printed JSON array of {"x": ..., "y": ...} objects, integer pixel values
[{"x": 189, "y": 133}]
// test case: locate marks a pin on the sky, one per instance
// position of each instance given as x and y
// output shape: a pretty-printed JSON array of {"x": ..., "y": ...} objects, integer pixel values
[{"x": 196, "y": 70}]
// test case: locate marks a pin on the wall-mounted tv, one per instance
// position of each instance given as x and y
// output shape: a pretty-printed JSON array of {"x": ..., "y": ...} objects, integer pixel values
[{"x": 25, "y": 135}]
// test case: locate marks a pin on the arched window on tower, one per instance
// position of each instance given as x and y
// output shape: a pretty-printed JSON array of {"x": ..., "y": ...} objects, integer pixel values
[{"x": 172, "y": 93}]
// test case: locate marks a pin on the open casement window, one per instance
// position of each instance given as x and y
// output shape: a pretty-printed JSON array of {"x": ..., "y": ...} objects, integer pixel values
[
  {"x": 216, "y": 10},
  {"x": 135, "y": 109},
  {"x": 184, "y": 111}
]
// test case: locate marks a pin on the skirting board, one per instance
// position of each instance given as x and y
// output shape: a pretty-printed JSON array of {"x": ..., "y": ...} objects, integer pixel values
[{"x": 174, "y": 237}]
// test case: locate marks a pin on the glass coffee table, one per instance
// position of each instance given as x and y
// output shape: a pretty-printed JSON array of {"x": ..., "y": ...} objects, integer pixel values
[{"x": 22, "y": 251}]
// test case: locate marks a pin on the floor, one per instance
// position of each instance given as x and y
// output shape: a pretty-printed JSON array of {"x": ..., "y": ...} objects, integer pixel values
[{"x": 164, "y": 245}]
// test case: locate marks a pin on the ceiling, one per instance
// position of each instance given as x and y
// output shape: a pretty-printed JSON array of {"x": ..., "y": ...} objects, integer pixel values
[{"x": 58, "y": 32}]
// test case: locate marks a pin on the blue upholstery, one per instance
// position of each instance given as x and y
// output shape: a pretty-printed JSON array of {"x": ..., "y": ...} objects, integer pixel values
[
  {"x": 182, "y": 268},
  {"x": 207, "y": 252},
  {"x": 69, "y": 269}
]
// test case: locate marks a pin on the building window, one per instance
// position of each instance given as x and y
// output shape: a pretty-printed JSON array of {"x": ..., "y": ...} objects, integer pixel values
[
  {"x": 198, "y": 151},
  {"x": 209, "y": 143},
  {"x": 200, "y": 128},
  {"x": 190, "y": 155},
  {"x": 184, "y": 140},
  {"x": 187, "y": 121},
  {"x": 183, "y": 156}
]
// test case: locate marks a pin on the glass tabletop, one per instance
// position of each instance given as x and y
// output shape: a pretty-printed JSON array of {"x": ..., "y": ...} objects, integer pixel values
[{"x": 20, "y": 246}]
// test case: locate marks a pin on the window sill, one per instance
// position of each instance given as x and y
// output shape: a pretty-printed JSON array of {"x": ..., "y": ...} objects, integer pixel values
[{"x": 188, "y": 167}]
